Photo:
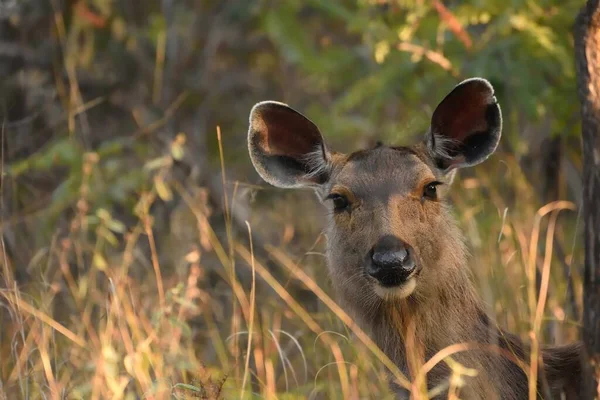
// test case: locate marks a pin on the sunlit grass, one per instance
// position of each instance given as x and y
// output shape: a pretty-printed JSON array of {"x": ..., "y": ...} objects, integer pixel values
[{"x": 106, "y": 319}]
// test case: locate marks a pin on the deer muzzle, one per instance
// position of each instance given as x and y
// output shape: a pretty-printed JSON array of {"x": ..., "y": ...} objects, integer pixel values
[{"x": 391, "y": 261}]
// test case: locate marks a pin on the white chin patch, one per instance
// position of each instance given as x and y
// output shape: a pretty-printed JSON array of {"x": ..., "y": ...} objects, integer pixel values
[{"x": 398, "y": 292}]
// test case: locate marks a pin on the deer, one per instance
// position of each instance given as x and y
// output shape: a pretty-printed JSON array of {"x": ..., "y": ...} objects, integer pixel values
[{"x": 396, "y": 257}]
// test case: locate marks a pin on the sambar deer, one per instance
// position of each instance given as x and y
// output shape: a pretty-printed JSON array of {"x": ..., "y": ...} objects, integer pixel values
[{"x": 397, "y": 259}]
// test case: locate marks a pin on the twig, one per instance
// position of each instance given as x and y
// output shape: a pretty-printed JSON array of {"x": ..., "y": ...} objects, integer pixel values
[
  {"x": 453, "y": 23},
  {"x": 433, "y": 56}
]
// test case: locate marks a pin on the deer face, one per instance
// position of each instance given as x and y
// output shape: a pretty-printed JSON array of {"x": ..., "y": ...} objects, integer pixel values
[
  {"x": 389, "y": 233},
  {"x": 387, "y": 219}
]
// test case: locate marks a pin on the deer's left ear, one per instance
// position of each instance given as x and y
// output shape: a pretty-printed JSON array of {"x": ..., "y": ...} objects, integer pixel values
[{"x": 466, "y": 126}]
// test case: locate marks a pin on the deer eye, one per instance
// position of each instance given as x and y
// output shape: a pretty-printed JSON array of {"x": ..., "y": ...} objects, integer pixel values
[
  {"x": 430, "y": 191},
  {"x": 340, "y": 202}
]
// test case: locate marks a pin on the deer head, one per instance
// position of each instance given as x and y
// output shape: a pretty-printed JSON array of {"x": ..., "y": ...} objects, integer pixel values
[{"x": 390, "y": 233}]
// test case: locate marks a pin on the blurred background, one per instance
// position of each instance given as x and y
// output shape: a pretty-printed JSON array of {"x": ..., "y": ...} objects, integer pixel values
[{"x": 128, "y": 196}]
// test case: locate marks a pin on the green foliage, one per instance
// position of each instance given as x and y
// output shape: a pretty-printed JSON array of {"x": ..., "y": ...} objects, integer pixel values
[
  {"x": 118, "y": 186},
  {"x": 525, "y": 49}
]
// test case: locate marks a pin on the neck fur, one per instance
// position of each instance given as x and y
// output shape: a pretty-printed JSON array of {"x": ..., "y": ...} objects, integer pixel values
[{"x": 412, "y": 330}]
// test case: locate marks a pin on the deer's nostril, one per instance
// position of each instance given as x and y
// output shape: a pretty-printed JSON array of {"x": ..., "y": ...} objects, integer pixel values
[
  {"x": 390, "y": 259},
  {"x": 390, "y": 251}
]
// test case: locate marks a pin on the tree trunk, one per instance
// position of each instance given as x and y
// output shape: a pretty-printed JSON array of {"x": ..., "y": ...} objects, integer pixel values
[{"x": 587, "y": 59}]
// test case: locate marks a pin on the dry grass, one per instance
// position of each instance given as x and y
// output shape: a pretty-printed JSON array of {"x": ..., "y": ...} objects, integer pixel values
[
  {"x": 126, "y": 310},
  {"x": 104, "y": 319}
]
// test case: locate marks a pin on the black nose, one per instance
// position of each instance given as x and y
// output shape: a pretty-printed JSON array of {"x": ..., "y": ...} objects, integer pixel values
[{"x": 391, "y": 261}]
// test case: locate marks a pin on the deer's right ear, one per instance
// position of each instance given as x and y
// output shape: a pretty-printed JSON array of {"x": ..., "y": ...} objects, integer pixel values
[{"x": 286, "y": 148}]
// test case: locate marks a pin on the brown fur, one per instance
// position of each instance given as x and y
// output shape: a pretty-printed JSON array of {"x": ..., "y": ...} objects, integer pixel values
[
  {"x": 382, "y": 194},
  {"x": 384, "y": 184}
]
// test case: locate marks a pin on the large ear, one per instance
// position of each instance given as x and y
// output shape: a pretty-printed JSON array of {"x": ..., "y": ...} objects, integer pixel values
[
  {"x": 285, "y": 147},
  {"x": 466, "y": 126}
]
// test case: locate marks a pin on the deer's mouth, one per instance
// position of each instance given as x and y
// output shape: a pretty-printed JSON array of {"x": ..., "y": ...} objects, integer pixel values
[
  {"x": 397, "y": 292},
  {"x": 399, "y": 287}
]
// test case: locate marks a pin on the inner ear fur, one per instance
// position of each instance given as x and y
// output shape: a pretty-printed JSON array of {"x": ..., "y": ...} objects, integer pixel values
[
  {"x": 286, "y": 148},
  {"x": 466, "y": 126}
]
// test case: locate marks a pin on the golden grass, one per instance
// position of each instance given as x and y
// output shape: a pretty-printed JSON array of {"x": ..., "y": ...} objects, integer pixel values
[{"x": 124, "y": 326}]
